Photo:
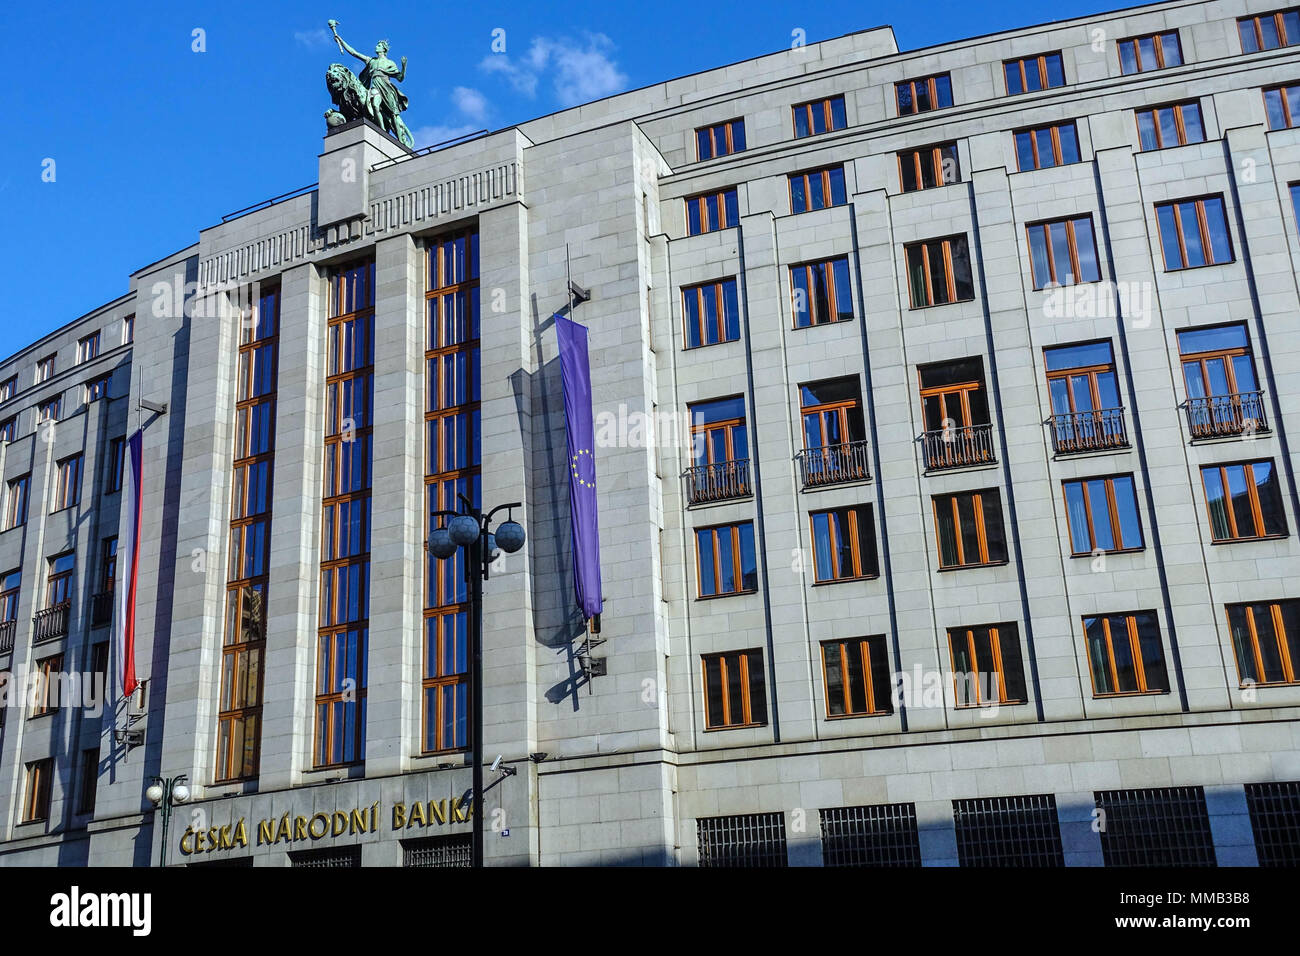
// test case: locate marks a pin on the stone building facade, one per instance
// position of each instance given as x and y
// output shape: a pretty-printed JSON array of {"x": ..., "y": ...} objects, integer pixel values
[{"x": 968, "y": 510}]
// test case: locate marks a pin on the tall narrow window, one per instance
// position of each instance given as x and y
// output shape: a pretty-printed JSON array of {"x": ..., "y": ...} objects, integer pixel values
[
  {"x": 986, "y": 665},
  {"x": 89, "y": 774},
  {"x": 844, "y": 544},
  {"x": 1223, "y": 395},
  {"x": 44, "y": 369},
  {"x": 928, "y": 167},
  {"x": 1033, "y": 73},
  {"x": 1084, "y": 391},
  {"x": 834, "y": 432},
  {"x": 1156, "y": 51},
  {"x": 817, "y": 189},
  {"x": 1266, "y": 641},
  {"x": 955, "y": 410},
  {"x": 719, "y": 451},
  {"x": 1125, "y": 654},
  {"x": 108, "y": 564},
  {"x": 735, "y": 693},
  {"x": 8, "y": 429},
  {"x": 1103, "y": 515},
  {"x": 1063, "y": 252},
  {"x": 243, "y": 651},
  {"x": 1268, "y": 31},
  {"x": 720, "y": 139},
  {"x": 939, "y": 271},
  {"x": 49, "y": 684},
  {"x": 10, "y": 591},
  {"x": 67, "y": 488},
  {"x": 452, "y": 469},
  {"x": 1244, "y": 501},
  {"x": 923, "y": 94},
  {"x": 128, "y": 330},
  {"x": 821, "y": 293},
  {"x": 969, "y": 529},
  {"x": 114, "y": 465},
  {"x": 709, "y": 212},
  {"x": 50, "y": 410},
  {"x": 1176, "y": 124},
  {"x": 343, "y": 635},
  {"x": 1045, "y": 146},
  {"x": 1194, "y": 232},
  {"x": 10, "y": 594},
  {"x": 8, "y": 388},
  {"x": 711, "y": 313},
  {"x": 1282, "y": 105},
  {"x": 36, "y": 796},
  {"x": 819, "y": 116},
  {"x": 58, "y": 583},
  {"x": 855, "y": 674},
  {"x": 725, "y": 559},
  {"x": 16, "y": 501}
]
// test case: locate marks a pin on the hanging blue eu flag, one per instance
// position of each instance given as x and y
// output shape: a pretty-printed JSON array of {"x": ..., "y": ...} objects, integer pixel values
[{"x": 579, "y": 433}]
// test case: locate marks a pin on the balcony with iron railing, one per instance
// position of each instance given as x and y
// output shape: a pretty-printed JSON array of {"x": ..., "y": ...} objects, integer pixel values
[
  {"x": 1226, "y": 416},
  {"x": 833, "y": 464},
  {"x": 7, "y": 630},
  {"x": 51, "y": 623},
  {"x": 961, "y": 447},
  {"x": 720, "y": 481},
  {"x": 1099, "y": 429},
  {"x": 101, "y": 609}
]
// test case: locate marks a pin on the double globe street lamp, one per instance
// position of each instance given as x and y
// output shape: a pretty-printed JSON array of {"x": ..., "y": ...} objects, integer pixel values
[
  {"x": 164, "y": 795},
  {"x": 470, "y": 531}
]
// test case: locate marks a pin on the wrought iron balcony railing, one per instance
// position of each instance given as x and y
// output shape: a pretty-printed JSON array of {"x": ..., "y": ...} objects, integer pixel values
[
  {"x": 51, "y": 622},
  {"x": 833, "y": 464},
  {"x": 101, "y": 609},
  {"x": 1220, "y": 416},
  {"x": 957, "y": 447},
  {"x": 718, "y": 482},
  {"x": 7, "y": 629},
  {"x": 1096, "y": 430}
]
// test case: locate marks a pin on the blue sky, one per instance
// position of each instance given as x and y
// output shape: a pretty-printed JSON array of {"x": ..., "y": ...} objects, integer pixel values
[{"x": 152, "y": 140}]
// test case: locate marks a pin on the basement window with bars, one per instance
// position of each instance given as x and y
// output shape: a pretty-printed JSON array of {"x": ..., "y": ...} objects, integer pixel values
[
  {"x": 746, "y": 840},
  {"x": 885, "y": 834},
  {"x": 328, "y": 857},
  {"x": 1275, "y": 819},
  {"x": 1163, "y": 826},
  {"x": 1008, "y": 831},
  {"x": 453, "y": 851}
]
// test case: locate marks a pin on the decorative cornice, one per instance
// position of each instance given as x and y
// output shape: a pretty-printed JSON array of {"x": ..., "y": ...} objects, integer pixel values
[{"x": 391, "y": 215}]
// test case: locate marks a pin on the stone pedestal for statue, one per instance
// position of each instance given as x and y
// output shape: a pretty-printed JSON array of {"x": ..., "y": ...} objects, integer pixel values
[{"x": 350, "y": 151}]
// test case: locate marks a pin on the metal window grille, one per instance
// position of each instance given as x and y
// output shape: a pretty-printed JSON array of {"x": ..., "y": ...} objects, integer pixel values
[
  {"x": 1164, "y": 826},
  {"x": 881, "y": 835},
  {"x": 748, "y": 840},
  {"x": 1008, "y": 831},
  {"x": 1275, "y": 818},
  {"x": 333, "y": 856},
  {"x": 438, "y": 851}
]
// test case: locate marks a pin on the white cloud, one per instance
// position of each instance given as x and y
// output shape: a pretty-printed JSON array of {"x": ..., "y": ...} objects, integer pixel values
[
  {"x": 470, "y": 102},
  {"x": 582, "y": 70},
  {"x": 314, "y": 39},
  {"x": 431, "y": 135}
]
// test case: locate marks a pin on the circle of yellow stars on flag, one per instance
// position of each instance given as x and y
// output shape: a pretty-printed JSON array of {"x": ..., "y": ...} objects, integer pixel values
[{"x": 574, "y": 465}]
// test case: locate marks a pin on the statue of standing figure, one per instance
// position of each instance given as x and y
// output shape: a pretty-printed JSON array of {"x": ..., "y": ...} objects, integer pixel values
[{"x": 373, "y": 94}]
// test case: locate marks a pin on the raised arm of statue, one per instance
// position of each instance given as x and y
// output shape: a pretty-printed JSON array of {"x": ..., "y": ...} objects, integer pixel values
[
  {"x": 343, "y": 46},
  {"x": 401, "y": 74}
]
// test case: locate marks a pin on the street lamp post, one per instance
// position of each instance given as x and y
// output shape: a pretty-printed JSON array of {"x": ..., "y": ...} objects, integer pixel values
[
  {"x": 164, "y": 795},
  {"x": 471, "y": 530}
]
